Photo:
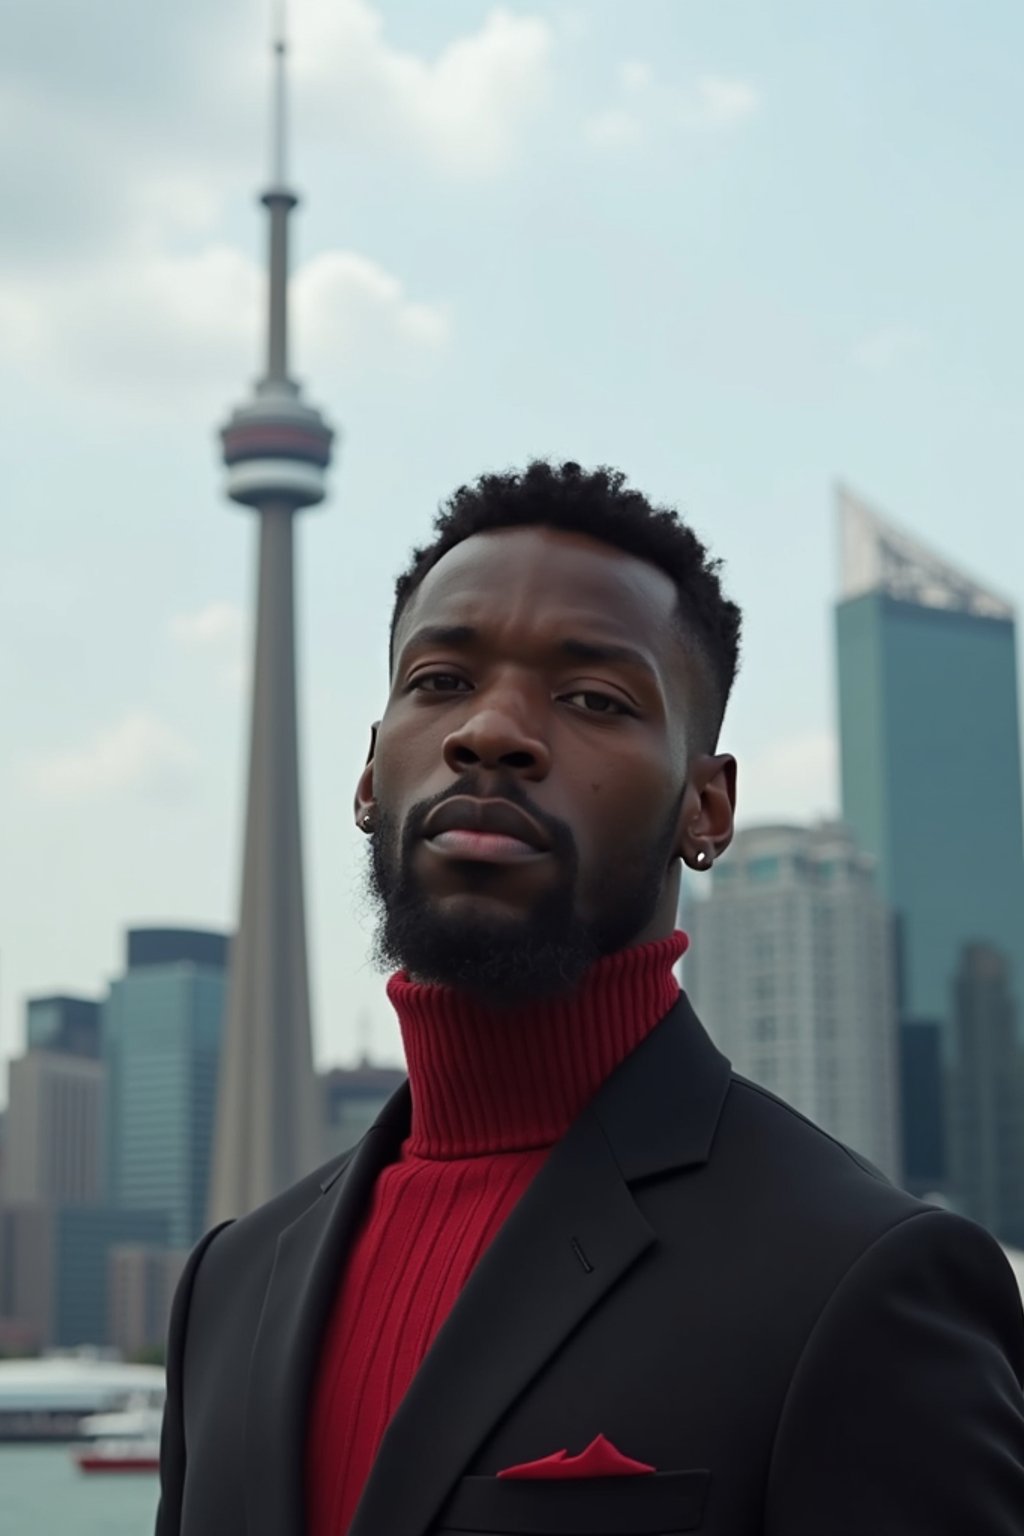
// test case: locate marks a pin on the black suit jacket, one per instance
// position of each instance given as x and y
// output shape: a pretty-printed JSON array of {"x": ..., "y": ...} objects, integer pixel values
[{"x": 697, "y": 1273}]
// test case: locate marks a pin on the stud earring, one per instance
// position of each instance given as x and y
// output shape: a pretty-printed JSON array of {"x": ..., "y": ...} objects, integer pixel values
[
  {"x": 366, "y": 821},
  {"x": 702, "y": 858}
]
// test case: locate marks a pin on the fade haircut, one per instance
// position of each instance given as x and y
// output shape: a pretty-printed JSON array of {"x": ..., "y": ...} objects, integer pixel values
[{"x": 599, "y": 503}]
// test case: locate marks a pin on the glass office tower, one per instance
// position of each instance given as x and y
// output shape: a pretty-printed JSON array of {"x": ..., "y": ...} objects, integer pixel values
[
  {"x": 162, "y": 1024},
  {"x": 931, "y": 786}
]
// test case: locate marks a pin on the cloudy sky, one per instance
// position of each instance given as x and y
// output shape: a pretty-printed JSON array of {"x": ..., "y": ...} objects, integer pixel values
[{"x": 740, "y": 250}]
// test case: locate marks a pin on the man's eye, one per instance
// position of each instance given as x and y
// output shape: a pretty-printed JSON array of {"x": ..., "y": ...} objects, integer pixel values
[
  {"x": 439, "y": 682},
  {"x": 594, "y": 703}
]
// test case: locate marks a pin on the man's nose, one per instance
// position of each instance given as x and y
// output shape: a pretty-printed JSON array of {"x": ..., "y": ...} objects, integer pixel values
[{"x": 496, "y": 738}]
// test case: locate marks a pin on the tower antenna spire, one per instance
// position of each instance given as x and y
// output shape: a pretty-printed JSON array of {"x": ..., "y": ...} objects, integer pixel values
[
  {"x": 279, "y": 201},
  {"x": 279, "y": 121}
]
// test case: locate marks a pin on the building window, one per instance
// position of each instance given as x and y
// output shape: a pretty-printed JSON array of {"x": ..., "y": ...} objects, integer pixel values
[{"x": 764, "y": 949}]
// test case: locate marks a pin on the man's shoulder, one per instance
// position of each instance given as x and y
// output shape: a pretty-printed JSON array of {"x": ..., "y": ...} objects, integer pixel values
[
  {"x": 789, "y": 1143},
  {"x": 803, "y": 1178},
  {"x": 260, "y": 1229},
  {"x": 764, "y": 1114},
  {"x": 798, "y": 1219}
]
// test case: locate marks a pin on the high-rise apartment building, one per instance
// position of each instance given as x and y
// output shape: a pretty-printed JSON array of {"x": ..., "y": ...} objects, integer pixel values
[
  {"x": 931, "y": 787},
  {"x": 55, "y": 1129},
  {"x": 986, "y": 1093},
  {"x": 27, "y": 1273},
  {"x": 141, "y": 1281},
  {"x": 162, "y": 1024},
  {"x": 70, "y": 1025},
  {"x": 790, "y": 968},
  {"x": 55, "y": 1268},
  {"x": 85, "y": 1238}
]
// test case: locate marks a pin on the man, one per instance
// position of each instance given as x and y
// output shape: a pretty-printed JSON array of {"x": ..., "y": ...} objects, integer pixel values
[{"x": 578, "y": 1278}]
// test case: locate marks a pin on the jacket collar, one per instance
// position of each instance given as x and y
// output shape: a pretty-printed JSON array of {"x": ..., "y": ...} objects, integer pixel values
[
  {"x": 660, "y": 1108},
  {"x": 572, "y": 1238}
]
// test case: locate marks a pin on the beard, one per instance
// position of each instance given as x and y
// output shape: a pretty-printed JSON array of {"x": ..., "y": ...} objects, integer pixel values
[{"x": 506, "y": 961}]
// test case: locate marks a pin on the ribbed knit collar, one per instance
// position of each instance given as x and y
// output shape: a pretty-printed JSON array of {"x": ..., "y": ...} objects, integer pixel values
[{"x": 486, "y": 1081}]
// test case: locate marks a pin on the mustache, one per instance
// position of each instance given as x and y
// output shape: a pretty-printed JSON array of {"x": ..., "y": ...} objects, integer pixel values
[{"x": 562, "y": 840}]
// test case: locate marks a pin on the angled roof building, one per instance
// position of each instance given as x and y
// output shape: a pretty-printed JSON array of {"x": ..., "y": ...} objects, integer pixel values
[
  {"x": 276, "y": 448},
  {"x": 931, "y": 787}
]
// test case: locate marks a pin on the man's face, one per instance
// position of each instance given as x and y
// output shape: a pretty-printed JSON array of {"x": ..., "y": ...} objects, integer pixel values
[{"x": 528, "y": 777}]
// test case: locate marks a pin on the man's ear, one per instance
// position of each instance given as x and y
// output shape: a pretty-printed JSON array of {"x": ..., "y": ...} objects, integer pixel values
[
  {"x": 364, "y": 787},
  {"x": 707, "y": 817}
]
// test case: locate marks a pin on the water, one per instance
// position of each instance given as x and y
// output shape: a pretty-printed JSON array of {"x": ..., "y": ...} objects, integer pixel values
[{"x": 42, "y": 1493}]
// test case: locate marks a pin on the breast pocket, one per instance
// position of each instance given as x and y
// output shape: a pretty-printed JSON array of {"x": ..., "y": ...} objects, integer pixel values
[{"x": 655, "y": 1504}]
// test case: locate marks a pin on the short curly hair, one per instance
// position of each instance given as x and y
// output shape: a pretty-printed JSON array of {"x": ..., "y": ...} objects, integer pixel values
[{"x": 599, "y": 503}]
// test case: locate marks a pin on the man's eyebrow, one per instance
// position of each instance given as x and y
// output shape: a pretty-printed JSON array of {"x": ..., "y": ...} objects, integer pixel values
[
  {"x": 464, "y": 636},
  {"x": 607, "y": 650},
  {"x": 459, "y": 636}
]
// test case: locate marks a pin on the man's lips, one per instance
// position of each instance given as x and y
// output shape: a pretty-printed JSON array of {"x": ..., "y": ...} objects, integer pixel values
[{"x": 467, "y": 827}]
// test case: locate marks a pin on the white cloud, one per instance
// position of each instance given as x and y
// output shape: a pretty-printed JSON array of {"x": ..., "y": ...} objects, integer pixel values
[
  {"x": 208, "y": 628},
  {"x": 713, "y": 103},
  {"x": 887, "y": 347},
  {"x": 719, "y": 102},
  {"x": 348, "y": 306},
  {"x": 796, "y": 779},
  {"x": 139, "y": 752},
  {"x": 466, "y": 109},
  {"x": 165, "y": 326},
  {"x": 121, "y": 284},
  {"x": 167, "y": 141},
  {"x": 615, "y": 128},
  {"x": 147, "y": 326},
  {"x": 636, "y": 75},
  {"x": 217, "y": 634},
  {"x": 181, "y": 201}
]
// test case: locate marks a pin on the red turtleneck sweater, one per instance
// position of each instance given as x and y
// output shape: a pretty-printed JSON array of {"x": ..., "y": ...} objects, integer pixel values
[{"x": 491, "y": 1094}]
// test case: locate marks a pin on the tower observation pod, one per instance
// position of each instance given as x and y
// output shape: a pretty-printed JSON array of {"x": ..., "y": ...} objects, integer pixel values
[{"x": 276, "y": 449}]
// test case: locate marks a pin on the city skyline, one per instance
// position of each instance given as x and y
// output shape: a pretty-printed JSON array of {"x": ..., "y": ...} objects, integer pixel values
[{"x": 483, "y": 274}]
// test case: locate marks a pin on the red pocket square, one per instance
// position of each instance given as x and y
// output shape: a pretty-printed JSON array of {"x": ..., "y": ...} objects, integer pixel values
[{"x": 600, "y": 1459}]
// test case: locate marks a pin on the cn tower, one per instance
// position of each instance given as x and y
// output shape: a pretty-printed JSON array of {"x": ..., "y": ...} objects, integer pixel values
[{"x": 276, "y": 448}]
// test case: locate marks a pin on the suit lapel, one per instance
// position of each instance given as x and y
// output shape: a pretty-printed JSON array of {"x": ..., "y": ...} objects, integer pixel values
[
  {"x": 572, "y": 1238},
  {"x": 307, "y": 1265},
  {"x": 533, "y": 1281}
]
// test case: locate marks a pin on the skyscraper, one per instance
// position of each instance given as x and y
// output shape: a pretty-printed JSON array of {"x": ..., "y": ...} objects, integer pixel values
[
  {"x": 276, "y": 449},
  {"x": 791, "y": 970},
  {"x": 162, "y": 1026},
  {"x": 70, "y": 1025},
  {"x": 986, "y": 1094},
  {"x": 931, "y": 786},
  {"x": 57, "y": 1099},
  {"x": 141, "y": 1280},
  {"x": 55, "y": 1129},
  {"x": 85, "y": 1237}
]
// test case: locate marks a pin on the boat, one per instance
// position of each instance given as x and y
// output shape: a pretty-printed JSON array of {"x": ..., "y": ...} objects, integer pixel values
[
  {"x": 125, "y": 1441},
  {"x": 46, "y": 1399}
]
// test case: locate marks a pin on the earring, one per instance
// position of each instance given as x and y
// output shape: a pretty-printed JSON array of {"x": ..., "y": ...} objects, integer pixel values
[
  {"x": 702, "y": 859},
  {"x": 366, "y": 821}
]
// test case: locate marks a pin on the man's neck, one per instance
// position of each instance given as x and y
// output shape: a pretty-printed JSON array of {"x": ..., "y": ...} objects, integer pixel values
[{"x": 486, "y": 1079}]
